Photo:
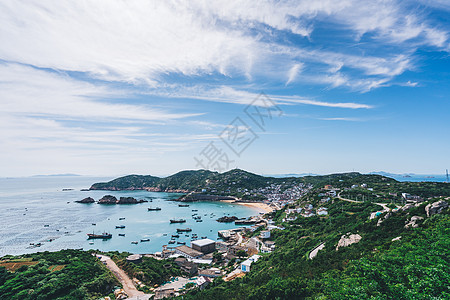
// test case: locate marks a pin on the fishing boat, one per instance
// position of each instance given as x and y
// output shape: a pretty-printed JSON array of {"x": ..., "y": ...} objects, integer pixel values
[
  {"x": 177, "y": 221},
  {"x": 172, "y": 242},
  {"x": 104, "y": 235},
  {"x": 145, "y": 240},
  {"x": 183, "y": 205},
  {"x": 175, "y": 235},
  {"x": 195, "y": 210},
  {"x": 199, "y": 220},
  {"x": 181, "y": 243},
  {"x": 121, "y": 234},
  {"x": 120, "y": 226},
  {"x": 153, "y": 209},
  {"x": 184, "y": 229},
  {"x": 121, "y": 218},
  {"x": 134, "y": 242},
  {"x": 204, "y": 237}
]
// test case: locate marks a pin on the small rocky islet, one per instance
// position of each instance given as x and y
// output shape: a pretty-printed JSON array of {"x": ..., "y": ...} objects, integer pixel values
[{"x": 109, "y": 199}]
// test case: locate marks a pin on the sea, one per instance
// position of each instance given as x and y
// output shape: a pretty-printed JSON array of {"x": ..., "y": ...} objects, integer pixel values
[{"x": 43, "y": 210}]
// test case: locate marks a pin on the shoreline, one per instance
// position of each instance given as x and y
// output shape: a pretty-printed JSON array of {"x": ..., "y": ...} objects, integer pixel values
[{"x": 260, "y": 207}]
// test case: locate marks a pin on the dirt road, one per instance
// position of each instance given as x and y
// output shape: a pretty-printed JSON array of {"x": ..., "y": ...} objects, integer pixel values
[{"x": 126, "y": 282}]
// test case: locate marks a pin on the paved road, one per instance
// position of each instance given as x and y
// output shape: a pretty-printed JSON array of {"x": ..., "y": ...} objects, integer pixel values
[{"x": 126, "y": 282}]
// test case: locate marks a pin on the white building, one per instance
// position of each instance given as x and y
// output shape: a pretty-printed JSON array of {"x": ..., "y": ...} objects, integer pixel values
[
  {"x": 245, "y": 265},
  {"x": 264, "y": 234}
]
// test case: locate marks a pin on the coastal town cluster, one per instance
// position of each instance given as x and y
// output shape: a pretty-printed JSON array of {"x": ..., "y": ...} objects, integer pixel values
[{"x": 232, "y": 257}]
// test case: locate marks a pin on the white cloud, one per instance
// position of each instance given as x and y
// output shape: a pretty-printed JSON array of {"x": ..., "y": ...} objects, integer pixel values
[
  {"x": 143, "y": 42},
  {"x": 293, "y": 72},
  {"x": 227, "y": 94},
  {"x": 28, "y": 91}
]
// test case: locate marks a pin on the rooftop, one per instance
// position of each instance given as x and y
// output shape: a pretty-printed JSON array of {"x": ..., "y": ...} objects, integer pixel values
[
  {"x": 203, "y": 242},
  {"x": 189, "y": 251}
]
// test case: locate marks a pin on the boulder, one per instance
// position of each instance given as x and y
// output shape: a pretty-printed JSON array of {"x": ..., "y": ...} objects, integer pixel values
[
  {"x": 86, "y": 200},
  {"x": 346, "y": 240},
  {"x": 379, "y": 222},
  {"x": 407, "y": 207},
  {"x": 435, "y": 208},
  {"x": 413, "y": 222}
]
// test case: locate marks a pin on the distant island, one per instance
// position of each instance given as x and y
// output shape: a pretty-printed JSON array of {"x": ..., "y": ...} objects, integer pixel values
[{"x": 237, "y": 184}]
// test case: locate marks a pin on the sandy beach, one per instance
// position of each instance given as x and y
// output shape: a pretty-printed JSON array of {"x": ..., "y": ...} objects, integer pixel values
[{"x": 261, "y": 207}]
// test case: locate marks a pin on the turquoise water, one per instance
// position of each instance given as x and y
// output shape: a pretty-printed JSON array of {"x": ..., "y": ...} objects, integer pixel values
[{"x": 35, "y": 210}]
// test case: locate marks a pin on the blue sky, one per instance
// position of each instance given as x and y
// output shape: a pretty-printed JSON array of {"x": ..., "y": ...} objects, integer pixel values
[{"x": 118, "y": 87}]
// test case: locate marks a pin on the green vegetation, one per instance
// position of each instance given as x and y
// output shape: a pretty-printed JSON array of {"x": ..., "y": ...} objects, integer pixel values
[
  {"x": 414, "y": 267},
  {"x": 150, "y": 271},
  {"x": 66, "y": 274}
]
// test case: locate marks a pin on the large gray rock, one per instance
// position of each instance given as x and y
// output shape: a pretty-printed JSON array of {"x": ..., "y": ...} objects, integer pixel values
[
  {"x": 348, "y": 239},
  {"x": 413, "y": 222},
  {"x": 435, "y": 208},
  {"x": 407, "y": 207}
]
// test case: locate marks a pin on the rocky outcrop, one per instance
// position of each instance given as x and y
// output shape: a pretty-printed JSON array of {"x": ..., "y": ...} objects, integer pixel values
[
  {"x": 379, "y": 222},
  {"x": 435, "y": 208},
  {"x": 413, "y": 222},
  {"x": 407, "y": 207},
  {"x": 226, "y": 219},
  {"x": 86, "y": 200},
  {"x": 107, "y": 199},
  {"x": 346, "y": 240},
  {"x": 129, "y": 200}
]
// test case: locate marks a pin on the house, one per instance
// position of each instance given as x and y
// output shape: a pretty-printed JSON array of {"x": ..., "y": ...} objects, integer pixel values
[
  {"x": 204, "y": 246},
  {"x": 120, "y": 294},
  {"x": 245, "y": 265},
  {"x": 162, "y": 293},
  {"x": 222, "y": 246},
  {"x": 202, "y": 282},
  {"x": 188, "y": 252},
  {"x": 264, "y": 234},
  {"x": 411, "y": 198},
  {"x": 322, "y": 211},
  {"x": 211, "y": 273},
  {"x": 186, "y": 266}
]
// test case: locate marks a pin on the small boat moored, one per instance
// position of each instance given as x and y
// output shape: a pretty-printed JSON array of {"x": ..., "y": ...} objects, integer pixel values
[
  {"x": 177, "y": 221},
  {"x": 145, "y": 240},
  {"x": 153, "y": 209},
  {"x": 104, "y": 235},
  {"x": 120, "y": 226}
]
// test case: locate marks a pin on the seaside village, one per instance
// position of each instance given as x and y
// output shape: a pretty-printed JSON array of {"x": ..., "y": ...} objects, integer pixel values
[{"x": 231, "y": 257}]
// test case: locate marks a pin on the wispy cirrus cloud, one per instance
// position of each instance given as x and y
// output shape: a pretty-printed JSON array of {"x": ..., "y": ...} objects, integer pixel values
[{"x": 140, "y": 42}]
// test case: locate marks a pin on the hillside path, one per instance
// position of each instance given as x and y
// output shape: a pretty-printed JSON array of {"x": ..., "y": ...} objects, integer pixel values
[{"x": 126, "y": 282}]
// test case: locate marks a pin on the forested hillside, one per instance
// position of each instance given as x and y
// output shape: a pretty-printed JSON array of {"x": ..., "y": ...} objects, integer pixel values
[{"x": 389, "y": 262}]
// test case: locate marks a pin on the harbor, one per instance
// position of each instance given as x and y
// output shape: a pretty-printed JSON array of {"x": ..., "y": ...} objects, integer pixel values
[{"x": 66, "y": 225}]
